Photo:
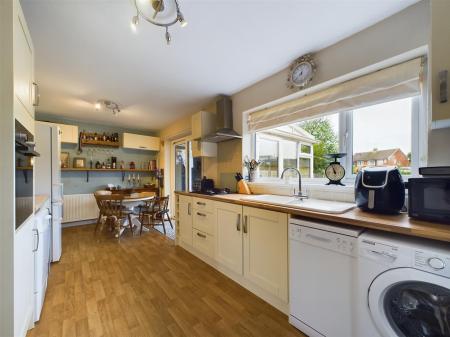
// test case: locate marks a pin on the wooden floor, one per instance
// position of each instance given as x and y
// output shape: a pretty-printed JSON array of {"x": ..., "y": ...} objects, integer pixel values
[{"x": 146, "y": 286}]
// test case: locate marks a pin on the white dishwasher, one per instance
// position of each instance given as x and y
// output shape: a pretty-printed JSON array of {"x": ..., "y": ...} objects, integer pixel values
[{"x": 322, "y": 277}]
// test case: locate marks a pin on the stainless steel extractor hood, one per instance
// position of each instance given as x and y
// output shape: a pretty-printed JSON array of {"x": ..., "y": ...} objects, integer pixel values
[{"x": 224, "y": 127}]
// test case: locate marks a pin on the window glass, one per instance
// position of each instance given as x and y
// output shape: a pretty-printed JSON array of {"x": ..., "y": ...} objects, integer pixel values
[
  {"x": 268, "y": 154},
  {"x": 305, "y": 148},
  {"x": 325, "y": 132},
  {"x": 382, "y": 136},
  {"x": 305, "y": 167},
  {"x": 289, "y": 150}
]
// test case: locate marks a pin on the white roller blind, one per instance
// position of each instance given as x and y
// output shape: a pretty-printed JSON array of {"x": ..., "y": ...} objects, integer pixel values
[{"x": 399, "y": 81}]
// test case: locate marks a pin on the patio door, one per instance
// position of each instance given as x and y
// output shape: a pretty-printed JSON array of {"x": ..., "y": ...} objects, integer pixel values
[{"x": 181, "y": 163}]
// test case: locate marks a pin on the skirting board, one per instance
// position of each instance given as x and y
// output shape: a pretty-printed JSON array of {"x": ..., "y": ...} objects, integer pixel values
[{"x": 78, "y": 223}]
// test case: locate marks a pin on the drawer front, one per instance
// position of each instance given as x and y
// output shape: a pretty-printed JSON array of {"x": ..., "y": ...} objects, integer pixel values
[
  {"x": 204, "y": 221},
  {"x": 203, "y": 242},
  {"x": 204, "y": 205}
]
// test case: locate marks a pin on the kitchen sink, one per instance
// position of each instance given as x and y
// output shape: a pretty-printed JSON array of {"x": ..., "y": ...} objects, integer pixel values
[{"x": 316, "y": 205}]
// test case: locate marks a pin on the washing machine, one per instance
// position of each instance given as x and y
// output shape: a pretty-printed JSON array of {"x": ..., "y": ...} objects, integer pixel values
[{"x": 403, "y": 287}]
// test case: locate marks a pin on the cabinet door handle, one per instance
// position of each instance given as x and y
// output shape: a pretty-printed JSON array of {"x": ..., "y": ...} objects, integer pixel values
[
  {"x": 36, "y": 95},
  {"x": 189, "y": 208},
  {"x": 201, "y": 214},
  {"x": 142, "y": 147},
  {"x": 245, "y": 225},
  {"x": 201, "y": 203},
  {"x": 238, "y": 223},
  {"x": 201, "y": 235},
  {"x": 37, "y": 244}
]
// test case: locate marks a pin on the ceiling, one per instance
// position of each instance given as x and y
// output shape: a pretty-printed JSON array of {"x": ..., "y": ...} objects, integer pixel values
[{"x": 85, "y": 50}]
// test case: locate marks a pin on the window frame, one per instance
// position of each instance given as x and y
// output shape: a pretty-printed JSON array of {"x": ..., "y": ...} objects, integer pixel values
[{"x": 345, "y": 139}]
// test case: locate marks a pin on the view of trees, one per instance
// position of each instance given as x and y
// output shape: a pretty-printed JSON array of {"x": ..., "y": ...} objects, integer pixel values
[{"x": 327, "y": 142}]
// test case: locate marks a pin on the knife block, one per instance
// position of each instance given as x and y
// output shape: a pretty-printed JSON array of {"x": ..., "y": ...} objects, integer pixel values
[{"x": 242, "y": 187}]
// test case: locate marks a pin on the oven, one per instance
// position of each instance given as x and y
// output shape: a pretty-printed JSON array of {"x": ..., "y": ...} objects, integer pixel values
[{"x": 24, "y": 160}]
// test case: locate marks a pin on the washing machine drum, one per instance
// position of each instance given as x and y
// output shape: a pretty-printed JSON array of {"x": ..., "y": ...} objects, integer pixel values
[{"x": 414, "y": 304}]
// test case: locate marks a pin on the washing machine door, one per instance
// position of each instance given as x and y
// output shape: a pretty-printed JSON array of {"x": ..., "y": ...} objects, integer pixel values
[{"x": 407, "y": 302}]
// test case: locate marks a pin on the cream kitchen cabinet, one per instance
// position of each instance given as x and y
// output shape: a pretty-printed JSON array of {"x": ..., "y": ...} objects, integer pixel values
[
  {"x": 229, "y": 236},
  {"x": 265, "y": 235},
  {"x": 204, "y": 149},
  {"x": 69, "y": 133},
  {"x": 203, "y": 123},
  {"x": 184, "y": 221},
  {"x": 140, "y": 142},
  {"x": 253, "y": 242},
  {"x": 25, "y": 89},
  {"x": 439, "y": 62}
]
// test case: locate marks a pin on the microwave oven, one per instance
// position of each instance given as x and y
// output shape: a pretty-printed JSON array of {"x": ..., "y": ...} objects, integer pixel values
[{"x": 429, "y": 198}]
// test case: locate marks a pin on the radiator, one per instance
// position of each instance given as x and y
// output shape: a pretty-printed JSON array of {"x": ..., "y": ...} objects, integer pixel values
[{"x": 79, "y": 207}]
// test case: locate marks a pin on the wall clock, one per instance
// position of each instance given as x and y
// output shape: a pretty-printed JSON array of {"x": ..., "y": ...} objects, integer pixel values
[{"x": 301, "y": 72}]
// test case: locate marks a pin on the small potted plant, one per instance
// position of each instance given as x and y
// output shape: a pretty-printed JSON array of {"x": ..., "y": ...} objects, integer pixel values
[{"x": 252, "y": 167}]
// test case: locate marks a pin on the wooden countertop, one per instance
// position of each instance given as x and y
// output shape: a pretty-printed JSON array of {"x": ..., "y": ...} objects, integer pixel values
[
  {"x": 401, "y": 223},
  {"x": 39, "y": 201}
]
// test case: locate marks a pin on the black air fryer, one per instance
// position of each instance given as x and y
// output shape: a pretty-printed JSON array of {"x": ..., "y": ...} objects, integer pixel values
[{"x": 380, "y": 190}]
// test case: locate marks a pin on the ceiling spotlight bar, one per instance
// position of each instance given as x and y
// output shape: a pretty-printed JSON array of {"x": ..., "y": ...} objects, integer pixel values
[
  {"x": 158, "y": 7},
  {"x": 103, "y": 103}
]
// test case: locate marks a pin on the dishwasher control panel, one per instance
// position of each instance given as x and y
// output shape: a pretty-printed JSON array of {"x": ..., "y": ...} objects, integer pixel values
[{"x": 321, "y": 238}]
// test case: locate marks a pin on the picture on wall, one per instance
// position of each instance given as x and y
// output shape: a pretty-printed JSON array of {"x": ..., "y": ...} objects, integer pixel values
[
  {"x": 79, "y": 162},
  {"x": 65, "y": 157}
]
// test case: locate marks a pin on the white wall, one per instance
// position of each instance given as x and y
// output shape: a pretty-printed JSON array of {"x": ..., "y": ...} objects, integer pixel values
[{"x": 6, "y": 170}]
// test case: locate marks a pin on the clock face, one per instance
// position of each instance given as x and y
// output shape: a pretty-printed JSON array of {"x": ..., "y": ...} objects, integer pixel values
[
  {"x": 335, "y": 172},
  {"x": 302, "y": 73}
]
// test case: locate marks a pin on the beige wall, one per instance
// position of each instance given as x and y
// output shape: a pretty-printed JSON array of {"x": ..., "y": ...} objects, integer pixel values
[
  {"x": 405, "y": 31},
  {"x": 400, "y": 33}
]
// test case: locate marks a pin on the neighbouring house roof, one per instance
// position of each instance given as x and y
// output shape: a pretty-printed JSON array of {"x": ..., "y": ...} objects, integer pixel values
[
  {"x": 374, "y": 155},
  {"x": 291, "y": 132}
]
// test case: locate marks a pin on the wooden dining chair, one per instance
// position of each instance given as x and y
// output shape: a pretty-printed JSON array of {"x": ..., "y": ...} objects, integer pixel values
[
  {"x": 97, "y": 200},
  {"x": 156, "y": 213},
  {"x": 113, "y": 211}
]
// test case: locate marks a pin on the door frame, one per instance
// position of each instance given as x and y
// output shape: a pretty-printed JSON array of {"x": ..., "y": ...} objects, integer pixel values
[{"x": 171, "y": 161}]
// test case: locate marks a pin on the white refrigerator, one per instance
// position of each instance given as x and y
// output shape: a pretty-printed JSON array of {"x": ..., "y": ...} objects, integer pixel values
[{"x": 48, "y": 178}]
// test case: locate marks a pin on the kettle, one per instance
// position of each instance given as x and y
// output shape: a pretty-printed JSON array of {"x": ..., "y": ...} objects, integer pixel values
[{"x": 380, "y": 189}]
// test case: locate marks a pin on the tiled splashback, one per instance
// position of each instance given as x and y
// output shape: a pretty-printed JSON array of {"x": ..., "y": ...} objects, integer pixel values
[{"x": 315, "y": 191}]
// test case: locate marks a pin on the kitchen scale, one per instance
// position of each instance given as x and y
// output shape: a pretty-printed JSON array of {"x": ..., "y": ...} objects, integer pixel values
[{"x": 335, "y": 172}]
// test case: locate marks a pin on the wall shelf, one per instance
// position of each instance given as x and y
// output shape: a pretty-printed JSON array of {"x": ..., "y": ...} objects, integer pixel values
[
  {"x": 123, "y": 171},
  {"x": 99, "y": 143}
]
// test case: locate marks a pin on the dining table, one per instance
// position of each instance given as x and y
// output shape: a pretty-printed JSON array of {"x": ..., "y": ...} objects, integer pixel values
[{"x": 132, "y": 200}]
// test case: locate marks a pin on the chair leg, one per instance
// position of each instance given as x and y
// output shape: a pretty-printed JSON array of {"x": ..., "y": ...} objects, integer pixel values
[
  {"x": 163, "y": 224},
  {"x": 170, "y": 221},
  {"x": 130, "y": 223},
  {"x": 142, "y": 224},
  {"x": 98, "y": 222}
]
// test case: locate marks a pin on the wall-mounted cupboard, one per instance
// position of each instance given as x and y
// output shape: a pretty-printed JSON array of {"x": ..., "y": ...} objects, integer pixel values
[
  {"x": 25, "y": 89},
  {"x": 69, "y": 133},
  {"x": 204, "y": 149},
  {"x": 140, "y": 142},
  {"x": 249, "y": 245},
  {"x": 440, "y": 63}
]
